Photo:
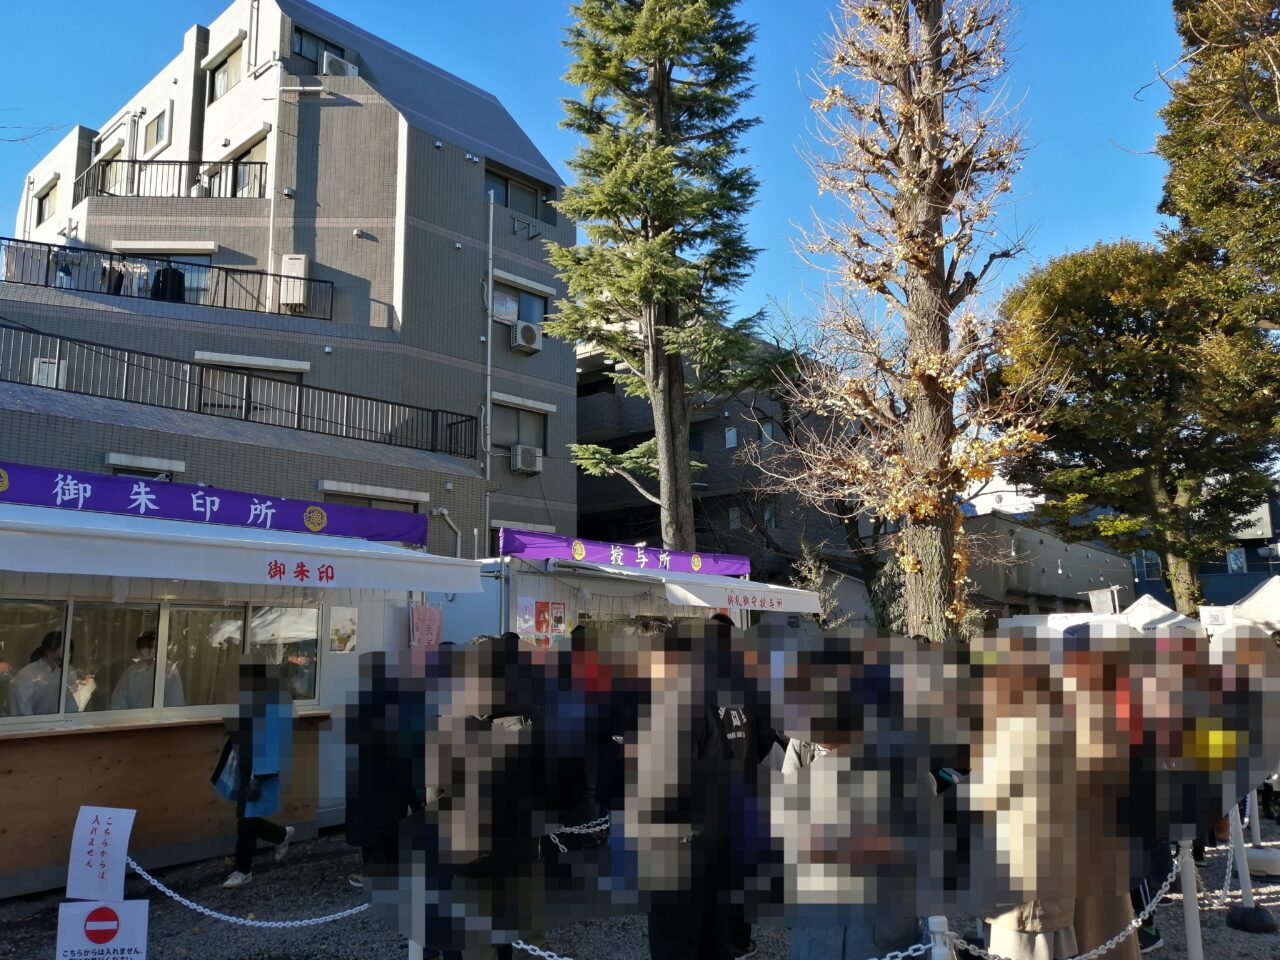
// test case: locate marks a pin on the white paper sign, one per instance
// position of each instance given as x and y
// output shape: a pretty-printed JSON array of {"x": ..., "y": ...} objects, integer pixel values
[
  {"x": 98, "y": 848},
  {"x": 88, "y": 930}
]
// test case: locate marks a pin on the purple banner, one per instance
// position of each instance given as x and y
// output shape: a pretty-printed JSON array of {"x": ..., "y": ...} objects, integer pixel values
[
  {"x": 131, "y": 496},
  {"x": 551, "y": 546}
]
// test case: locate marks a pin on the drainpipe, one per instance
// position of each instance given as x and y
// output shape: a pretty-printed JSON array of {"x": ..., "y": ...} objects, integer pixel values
[
  {"x": 443, "y": 514},
  {"x": 275, "y": 172},
  {"x": 488, "y": 374},
  {"x": 26, "y": 208}
]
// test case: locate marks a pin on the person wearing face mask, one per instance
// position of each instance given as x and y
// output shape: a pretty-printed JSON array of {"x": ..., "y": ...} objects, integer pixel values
[
  {"x": 133, "y": 690},
  {"x": 34, "y": 691}
]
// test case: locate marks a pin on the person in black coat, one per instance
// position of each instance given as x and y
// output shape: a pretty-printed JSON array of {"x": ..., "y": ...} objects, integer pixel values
[{"x": 386, "y": 728}]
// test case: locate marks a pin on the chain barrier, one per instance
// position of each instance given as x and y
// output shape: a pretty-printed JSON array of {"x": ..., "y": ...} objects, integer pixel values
[
  {"x": 594, "y": 826},
  {"x": 241, "y": 921},
  {"x": 1119, "y": 938},
  {"x": 1216, "y": 900}
]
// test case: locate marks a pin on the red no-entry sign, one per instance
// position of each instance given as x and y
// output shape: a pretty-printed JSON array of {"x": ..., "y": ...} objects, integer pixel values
[{"x": 101, "y": 925}]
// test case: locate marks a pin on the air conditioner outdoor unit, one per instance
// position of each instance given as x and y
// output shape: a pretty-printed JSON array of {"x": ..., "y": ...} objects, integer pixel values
[
  {"x": 295, "y": 268},
  {"x": 526, "y": 337},
  {"x": 200, "y": 190},
  {"x": 332, "y": 66},
  {"x": 526, "y": 459}
]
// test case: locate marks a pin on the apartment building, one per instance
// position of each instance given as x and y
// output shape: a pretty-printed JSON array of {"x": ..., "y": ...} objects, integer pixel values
[
  {"x": 268, "y": 271},
  {"x": 1019, "y": 568}
]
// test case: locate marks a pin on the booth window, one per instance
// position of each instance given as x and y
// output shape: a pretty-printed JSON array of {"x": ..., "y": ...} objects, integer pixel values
[
  {"x": 513, "y": 425},
  {"x": 204, "y": 649},
  {"x": 288, "y": 637},
  {"x": 23, "y": 625},
  {"x": 111, "y": 665}
]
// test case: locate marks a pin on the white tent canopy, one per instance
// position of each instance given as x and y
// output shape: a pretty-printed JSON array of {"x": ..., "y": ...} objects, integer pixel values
[
  {"x": 44, "y": 540},
  {"x": 1262, "y": 605},
  {"x": 704, "y": 590},
  {"x": 1149, "y": 614},
  {"x": 1146, "y": 614}
]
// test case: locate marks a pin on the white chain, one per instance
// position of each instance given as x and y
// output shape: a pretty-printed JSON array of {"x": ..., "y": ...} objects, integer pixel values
[
  {"x": 1111, "y": 944},
  {"x": 241, "y": 921},
  {"x": 1218, "y": 899},
  {"x": 593, "y": 826},
  {"x": 916, "y": 951},
  {"x": 538, "y": 951}
]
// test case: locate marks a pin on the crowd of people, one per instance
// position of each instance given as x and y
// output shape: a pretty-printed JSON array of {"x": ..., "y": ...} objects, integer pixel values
[{"x": 714, "y": 782}]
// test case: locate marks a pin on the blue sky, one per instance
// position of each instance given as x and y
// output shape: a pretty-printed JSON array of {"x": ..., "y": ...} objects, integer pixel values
[{"x": 1076, "y": 68}]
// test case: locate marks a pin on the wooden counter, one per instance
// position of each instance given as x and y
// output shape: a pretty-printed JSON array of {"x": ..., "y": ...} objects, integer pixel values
[{"x": 162, "y": 770}]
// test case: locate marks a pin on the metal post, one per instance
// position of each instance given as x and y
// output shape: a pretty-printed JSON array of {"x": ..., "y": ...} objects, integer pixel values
[
  {"x": 1190, "y": 903},
  {"x": 1255, "y": 819},
  {"x": 941, "y": 949},
  {"x": 1242, "y": 862}
]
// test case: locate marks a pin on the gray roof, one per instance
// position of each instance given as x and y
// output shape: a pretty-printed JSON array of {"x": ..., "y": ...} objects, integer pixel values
[
  {"x": 430, "y": 99},
  {"x": 42, "y": 400}
]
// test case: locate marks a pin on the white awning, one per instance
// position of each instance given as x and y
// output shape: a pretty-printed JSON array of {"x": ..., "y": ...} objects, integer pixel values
[
  {"x": 699, "y": 590},
  {"x": 44, "y": 540}
]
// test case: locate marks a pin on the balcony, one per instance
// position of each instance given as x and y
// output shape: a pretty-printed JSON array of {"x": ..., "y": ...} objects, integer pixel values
[
  {"x": 97, "y": 370},
  {"x": 161, "y": 278},
  {"x": 172, "y": 178}
]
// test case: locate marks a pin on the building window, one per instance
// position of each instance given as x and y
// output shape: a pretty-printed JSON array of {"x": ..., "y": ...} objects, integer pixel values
[
  {"x": 511, "y": 304},
  {"x": 46, "y": 203},
  {"x": 138, "y": 474},
  {"x": 376, "y": 503},
  {"x": 261, "y": 396},
  {"x": 182, "y": 281},
  {"x": 695, "y": 440},
  {"x": 1237, "y": 561},
  {"x": 512, "y": 426},
  {"x": 768, "y": 431},
  {"x": 156, "y": 132},
  {"x": 735, "y": 518},
  {"x": 249, "y": 171},
  {"x": 312, "y": 49},
  {"x": 521, "y": 198},
  {"x": 590, "y": 384},
  {"x": 1146, "y": 565},
  {"x": 226, "y": 74},
  {"x": 771, "y": 516},
  {"x": 730, "y": 437}
]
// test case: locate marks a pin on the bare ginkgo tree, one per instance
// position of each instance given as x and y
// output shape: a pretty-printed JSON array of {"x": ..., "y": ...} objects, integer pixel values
[{"x": 918, "y": 149}]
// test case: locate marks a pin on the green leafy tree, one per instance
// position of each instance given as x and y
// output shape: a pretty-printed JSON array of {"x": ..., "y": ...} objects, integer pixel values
[
  {"x": 661, "y": 195},
  {"x": 1223, "y": 146},
  {"x": 1169, "y": 409}
]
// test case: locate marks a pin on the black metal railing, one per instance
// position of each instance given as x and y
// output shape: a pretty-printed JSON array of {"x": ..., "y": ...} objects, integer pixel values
[
  {"x": 162, "y": 278},
  {"x": 223, "y": 179},
  {"x": 97, "y": 370}
]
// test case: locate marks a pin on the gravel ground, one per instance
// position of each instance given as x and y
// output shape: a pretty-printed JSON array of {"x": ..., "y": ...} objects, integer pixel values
[{"x": 312, "y": 882}]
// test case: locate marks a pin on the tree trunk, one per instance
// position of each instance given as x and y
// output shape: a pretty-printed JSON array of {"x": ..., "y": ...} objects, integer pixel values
[
  {"x": 929, "y": 534},
  {"x": 664, "y": 372},
  {"x": 665, "y": 375},
  {"x": 1184, "y": 584},
  {"x": 930, "y": 586}
]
